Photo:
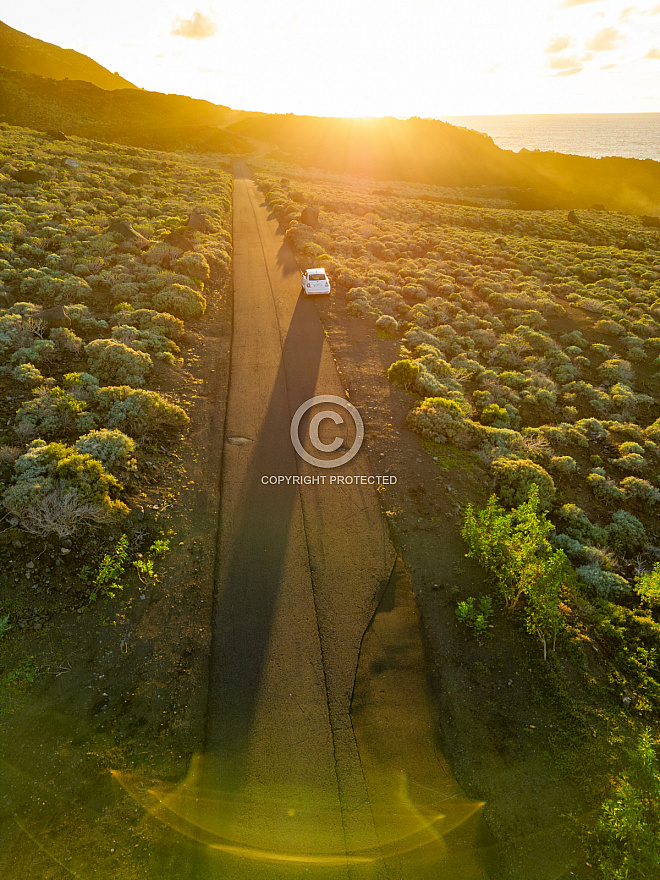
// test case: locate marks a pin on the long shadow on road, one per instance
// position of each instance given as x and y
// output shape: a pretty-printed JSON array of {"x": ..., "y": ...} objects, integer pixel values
[{"x": 251, "y": 578}]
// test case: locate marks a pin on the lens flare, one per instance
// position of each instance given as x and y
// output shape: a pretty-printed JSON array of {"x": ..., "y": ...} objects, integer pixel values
[{"x": 293, "y": 826}]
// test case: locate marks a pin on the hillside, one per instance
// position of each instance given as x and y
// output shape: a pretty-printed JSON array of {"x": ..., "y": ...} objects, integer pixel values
[
  {"x": 19, "y": 51},
  {"x": 129, "y": 116},
  {"x": 430, "y": 151}
]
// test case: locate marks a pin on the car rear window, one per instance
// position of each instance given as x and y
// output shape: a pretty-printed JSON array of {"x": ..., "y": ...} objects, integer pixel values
[{"x": 317, "y": 277}]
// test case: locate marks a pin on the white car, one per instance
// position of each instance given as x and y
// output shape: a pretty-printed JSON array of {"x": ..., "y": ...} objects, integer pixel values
[{"x": 315, "y": 283}]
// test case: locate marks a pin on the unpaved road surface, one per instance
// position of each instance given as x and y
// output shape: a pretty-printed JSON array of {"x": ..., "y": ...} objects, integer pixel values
[{"x": 320, "y": 759}]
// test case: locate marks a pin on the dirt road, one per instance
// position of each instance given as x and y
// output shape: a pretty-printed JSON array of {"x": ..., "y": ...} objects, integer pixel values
[{"x": 320, "y": 759}]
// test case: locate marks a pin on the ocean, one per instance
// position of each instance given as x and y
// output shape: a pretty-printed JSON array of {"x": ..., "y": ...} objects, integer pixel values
[{"x": 632, "y": 135}]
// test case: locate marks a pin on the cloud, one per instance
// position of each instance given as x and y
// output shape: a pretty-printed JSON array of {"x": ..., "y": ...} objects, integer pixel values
[
  {"x": 199, "y": 27},
  {"x": 565, "y": 66},
  {"x": 568, "y": 3},
  {"x": 604, "y": 40},
  {"x": 653, "y": 53},
  {"x": 627, "y": 12},
  {"x": 557, "y": 45}
]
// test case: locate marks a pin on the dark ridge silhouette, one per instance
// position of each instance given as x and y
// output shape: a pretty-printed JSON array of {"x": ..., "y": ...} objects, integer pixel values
[
  {"x": 128, "y": 116},
  {"x": 19, "y": 51}
]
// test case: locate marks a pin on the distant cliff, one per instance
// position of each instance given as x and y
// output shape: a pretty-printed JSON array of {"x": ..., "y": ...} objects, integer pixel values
[
  {"x": 128, "y": 116},
  {"x": 18, "y": 51}
]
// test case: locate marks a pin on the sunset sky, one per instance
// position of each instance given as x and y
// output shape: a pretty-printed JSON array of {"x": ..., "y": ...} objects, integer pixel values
[{"x": 429, "y": 58}]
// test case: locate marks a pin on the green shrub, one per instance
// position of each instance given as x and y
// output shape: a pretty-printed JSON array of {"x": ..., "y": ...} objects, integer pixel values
[
  {"x": 630, "y": 447},
  {"x": 563, "y": 464},
  {"x": 66, "y": 339},
  {"x": 515, "y": 477},
  {"x": 54, "y": 411},
  {"x": 495, "y": 415},
  {"x": 146, "y": 340},
  {"x": 603, "y": 488},
  {"x": 387, "y": 324},
  {"x": 113, "y": 449},
  {"x": 648, "y": 585},
  {"x": 626, "y": 534},
  {"x": 113, "y": 361},
  {"x": 148, "y": 319},
  {"x": 581, "y": 554},
  {"x": 27, "y": 374},
  {"x": 84, "y": 322},
  {"x": 604, "y": 584},
  {"x": 41, "y": 350},
  {"x": 403, "y": 373},
  {"x": 194, "y": 265},
  {"x": 138, "y": 413},
  {"x": 83, "y": 386},
  {"x": 181, "y": 301},
  {"x": 475, "y": 615},
  {"x": 640, "y": 492},
  {"x": 577, "y": 524},
  {"x": 631, "y": 462},
  {"x": 57, "y": 489}
]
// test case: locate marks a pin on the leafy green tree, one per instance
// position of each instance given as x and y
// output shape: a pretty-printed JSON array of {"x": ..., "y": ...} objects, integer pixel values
[
  {"x": 648, "y": 585},
  {"x": 628, "y": 830},
  {"x": 514, "y": 549}
]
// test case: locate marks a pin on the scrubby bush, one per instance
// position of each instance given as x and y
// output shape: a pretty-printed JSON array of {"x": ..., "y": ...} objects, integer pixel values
[
  {"x": 27, "y": 374},
  {"x": 41, "y": 350},
  {"x": 640, "y": 492},
  {"x": 604, "y": 584},
  {"x": 403, "y": 373},
  {"x": 563, "y": 464},
  {"x": 495, "y": 415},
  {"x": 113, "y": 361},
  {"x": 514, "y": 477},
  {"x": 112, "y": 448},
  {"x": 441, "y": 419},
  {"x": 57, "y": 489},
  {"x": 631, "y": 462},
  {"x": 577, "y": 524},
  {"x": 82, "y": 386},
  {"x": 146, "y": 340},
  {"x": 387, "y": 323},
  {"x": 53, "y": 411},
  {"x": 138, "y": 413},
  {"x": 148, "y": 319},
  {"x": 84, "y": 322},
  {"x": 66, "y": 339},
  {"x": 193, "y": 265},
  {"x": 626, "y": 534},
  {"x": 603, "y": 488},
  {"x": 181, "y": 301}
]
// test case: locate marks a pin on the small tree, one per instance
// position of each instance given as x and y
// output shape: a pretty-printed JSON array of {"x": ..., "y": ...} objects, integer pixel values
[
  {"x": 628, "y": 830},
  {"x": 648, "y": 585},
  {"x": 514, "y": 549}
]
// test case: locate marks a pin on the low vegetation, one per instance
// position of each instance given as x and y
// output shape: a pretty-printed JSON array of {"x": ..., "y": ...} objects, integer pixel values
[
  {"x": 531, "y": 338},
  {"x": 95, "y": 300}
]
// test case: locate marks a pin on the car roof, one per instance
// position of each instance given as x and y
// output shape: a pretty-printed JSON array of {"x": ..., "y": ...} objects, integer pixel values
[{"x": 316, "y": 270}]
